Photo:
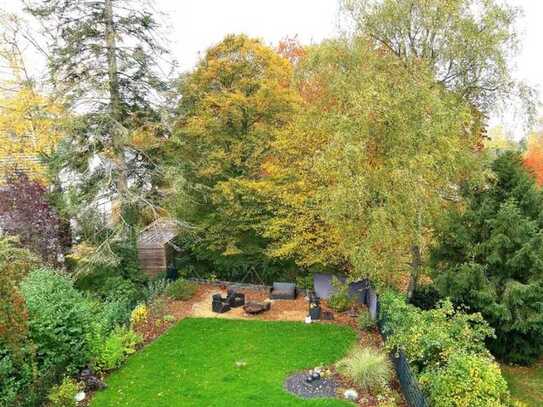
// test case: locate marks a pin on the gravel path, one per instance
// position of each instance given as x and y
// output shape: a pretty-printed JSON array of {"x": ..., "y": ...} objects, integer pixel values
[{"x": 320, "y": 388}]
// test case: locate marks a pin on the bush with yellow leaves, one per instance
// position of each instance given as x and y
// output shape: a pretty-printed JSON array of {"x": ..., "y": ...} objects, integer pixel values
[{"x": 139, "y": 315}]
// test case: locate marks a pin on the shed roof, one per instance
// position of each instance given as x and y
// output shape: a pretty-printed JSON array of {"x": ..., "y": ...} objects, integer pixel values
[{"x": 158, "y": 233}]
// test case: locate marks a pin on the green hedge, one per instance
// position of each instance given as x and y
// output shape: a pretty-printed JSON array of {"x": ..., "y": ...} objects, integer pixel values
[
  {"x": 67, "y": 330},
  {"x": 60, "y": 321},
  {"x": 446, "y": 348}
]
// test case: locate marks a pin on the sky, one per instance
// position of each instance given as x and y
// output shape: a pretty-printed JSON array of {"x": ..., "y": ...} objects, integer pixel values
[
  {"x": 198, "y": 24},
  {"x": 195, "y": 25}
]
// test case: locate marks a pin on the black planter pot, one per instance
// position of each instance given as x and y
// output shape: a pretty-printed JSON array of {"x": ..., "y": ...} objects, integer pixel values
[{"x": 315, "y": 312}]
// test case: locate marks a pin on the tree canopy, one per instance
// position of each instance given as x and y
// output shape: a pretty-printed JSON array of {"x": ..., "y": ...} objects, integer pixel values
[
  {"x": 233, "y": 105},
  {"x": 469, "y": 44},
  {"x": 490, "y": 258},
  {"x": 369, "y": 160},
  {"x": 363, "y": 155},
  {"x": 31, "y": 120},
  {"x": 107, "y": 61}
]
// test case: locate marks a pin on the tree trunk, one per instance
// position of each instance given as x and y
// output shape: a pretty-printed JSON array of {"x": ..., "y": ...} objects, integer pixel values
[
  {"x": 113, "y": 74},
  {"x": 416, "y": 264},
  {"x": 115, "y": 99}
]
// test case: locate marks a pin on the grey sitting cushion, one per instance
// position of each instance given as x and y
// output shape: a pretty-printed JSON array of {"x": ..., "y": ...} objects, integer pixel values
[{"x": 283, "y": 291}]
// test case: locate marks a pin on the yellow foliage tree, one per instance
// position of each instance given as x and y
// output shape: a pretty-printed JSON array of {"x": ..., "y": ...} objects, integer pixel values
[
  {"x": 233, "y": 105},
  {"x": 30, "y": 127},
  {"x": 30, "y": 122},
  {"x": 366, "y": 166}
]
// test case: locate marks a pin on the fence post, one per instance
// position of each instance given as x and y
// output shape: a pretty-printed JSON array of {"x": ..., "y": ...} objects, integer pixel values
[{"x": 372, "y": 304}]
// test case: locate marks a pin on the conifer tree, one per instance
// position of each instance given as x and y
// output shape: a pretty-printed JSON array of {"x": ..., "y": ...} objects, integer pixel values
[
  {"x": 107, "y": 60},
  {"x": 490, "y": 258}
]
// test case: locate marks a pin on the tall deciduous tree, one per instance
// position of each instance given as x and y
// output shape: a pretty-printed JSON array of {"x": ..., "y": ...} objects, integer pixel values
[
  {"x": 467, "y": 43},
  {"x": 30, "y": 128},
  {"x": 292, "y": 188},
  {"x": 30, "y": 121},
  {"x": 490, "y": 258},
  {"x": 232, "y": 107},
  {"x": 369, "y": 161}
]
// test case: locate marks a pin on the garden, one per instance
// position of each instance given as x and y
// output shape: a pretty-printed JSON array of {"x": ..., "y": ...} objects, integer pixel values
[
  {"x": 216, "y": 362},
  {"x": 324, "y": 224}
]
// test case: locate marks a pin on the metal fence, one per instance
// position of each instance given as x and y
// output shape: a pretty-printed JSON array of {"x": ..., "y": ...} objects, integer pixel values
[{"x": 408, "y": 381}]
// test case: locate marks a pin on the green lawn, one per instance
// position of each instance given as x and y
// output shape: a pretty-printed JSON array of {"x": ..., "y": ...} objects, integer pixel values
[
  {"x": 194, "y": 365},
  {"x": 526, "y": 383}
]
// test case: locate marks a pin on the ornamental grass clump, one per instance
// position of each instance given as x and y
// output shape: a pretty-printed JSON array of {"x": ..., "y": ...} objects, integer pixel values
[
  {"x": 369, "y": 368},
  {"x": 181, "y": 290}
]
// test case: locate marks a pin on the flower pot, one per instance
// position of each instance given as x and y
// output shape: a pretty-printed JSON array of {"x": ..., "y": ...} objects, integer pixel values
[{"x": 315, "y": 312}]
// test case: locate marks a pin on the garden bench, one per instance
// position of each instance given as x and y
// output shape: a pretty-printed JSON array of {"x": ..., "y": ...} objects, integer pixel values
[{"x": 283, "y": 291}]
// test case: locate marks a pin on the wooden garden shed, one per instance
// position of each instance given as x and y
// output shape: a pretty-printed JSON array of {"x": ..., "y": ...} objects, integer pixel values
[{"x": 155, "y": 246}]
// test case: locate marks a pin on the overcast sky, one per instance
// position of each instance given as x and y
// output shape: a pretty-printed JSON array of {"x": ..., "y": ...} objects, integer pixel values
[
  {"x": 198, "y": 24},
  {"x": 195, "y": 25}
]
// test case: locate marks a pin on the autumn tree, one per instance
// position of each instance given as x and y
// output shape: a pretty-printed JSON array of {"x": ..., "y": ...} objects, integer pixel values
[
  {"x": 233, "y": 104},
  {"x": 30, "y": 121},
  {"x": 291, "y": 49},
  {"x": 467, "y": 45},
  {"x": 368, "y": 162},
  {"x": 533, "y": 157},
  {"x": 292, "y": 189},
  {"x": 30, "y": 128}
]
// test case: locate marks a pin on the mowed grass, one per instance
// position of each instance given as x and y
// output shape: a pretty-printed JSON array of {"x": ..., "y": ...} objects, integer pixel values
[
  {"x": 194, "y": 365},
  {"x": 526, "y": 383}
]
